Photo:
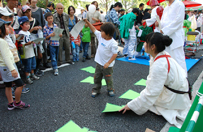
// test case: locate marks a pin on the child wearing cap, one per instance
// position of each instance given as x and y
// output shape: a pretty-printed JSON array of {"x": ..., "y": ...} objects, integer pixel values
[
  {"x": 38, "y": 48},
  {"x": 28, "y": 57},
  {"x": 53, "y": 44},
  {"x": 9, "y": 71}
]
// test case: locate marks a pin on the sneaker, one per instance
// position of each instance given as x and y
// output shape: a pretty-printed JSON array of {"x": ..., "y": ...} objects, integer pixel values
[
  {"x": 29, "y": 81},
  {"x": 34, "y": 77},
  {"x": 94, "y": 94},
  {"x": 70, "y": 62},
  {"x": 21, "y": 105},
  {"x": 39, "y": 73},
  {"x": 77, "y": 59},
  {"x": 56, "y": 73},
  {"x": 11, "y": 106},
  {"x": 25, "y": 90},
  {"x": 125, "y": 55},
  {"x": 83, "y": 60},
  {"x": 111, "y": 93}
]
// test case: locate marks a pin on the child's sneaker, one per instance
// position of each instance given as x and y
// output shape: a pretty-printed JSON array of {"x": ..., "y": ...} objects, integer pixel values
[
  {"x": 29, "y": 81},
  {"x": 21, "y": 105},
  {"x": 94, "y": 94},
  {"x": 56, "y": 73},
  {"x": 34, "y": 77},
  {"x": 111, "y": 93},
  {"x": 25, "y": 90},
  {"x": 11, "y": 106}
]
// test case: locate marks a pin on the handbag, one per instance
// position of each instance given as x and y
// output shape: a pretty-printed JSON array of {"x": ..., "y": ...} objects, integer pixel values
[{"x": 97, "y": 25}]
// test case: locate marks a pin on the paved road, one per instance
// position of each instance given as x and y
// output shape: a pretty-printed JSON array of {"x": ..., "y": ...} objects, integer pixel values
[{"x": 55, "y": 100}]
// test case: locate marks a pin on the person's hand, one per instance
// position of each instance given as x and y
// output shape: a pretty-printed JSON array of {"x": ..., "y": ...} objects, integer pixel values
[
  {"x": 60, "y": 35},
  {"x": 106, "y": 65},
  {"x": 85, "y": 20},
  {"x": 36, "y": 28},
  {"x": 137, "y": 27},
  {"x": 156, "y": 24},
  {"x": 161, "y": 32},
  {"x": 39, "y": 27},
  {"x": 10, "y": 29},
  {"x": 124, "y": 109},
  {"x": 52, "y": 34},
  {"x": 30, "y": 42},
  {"x": 94, "y": 19},
  {"x": 14, "y": 73}
]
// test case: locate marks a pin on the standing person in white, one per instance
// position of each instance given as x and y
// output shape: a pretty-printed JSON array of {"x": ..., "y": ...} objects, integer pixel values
[{"x": 172, "y": 25}]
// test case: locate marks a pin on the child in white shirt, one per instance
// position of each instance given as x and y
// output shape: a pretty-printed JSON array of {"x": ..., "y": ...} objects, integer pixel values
[
  {"x": 28, "y": 58},
  {"x": 105, "y": 57}
]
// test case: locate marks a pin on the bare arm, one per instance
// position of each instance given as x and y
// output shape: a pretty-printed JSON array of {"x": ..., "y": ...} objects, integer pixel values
[
  {"x": 110, "y": 61},
  {"x": 90, "y": 25}
]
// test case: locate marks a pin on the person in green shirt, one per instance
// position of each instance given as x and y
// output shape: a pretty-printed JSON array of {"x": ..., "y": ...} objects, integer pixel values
[
  {"x": 128, "y": 32},
  {"x": 142, "y": 32},
  {"x": 86, "y": 38}
]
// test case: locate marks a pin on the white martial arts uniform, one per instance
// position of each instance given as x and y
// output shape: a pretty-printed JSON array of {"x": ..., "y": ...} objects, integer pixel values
[
  {"x": 130, "y": 43},
  {"x": 158, "y": 99},
  {"x": 172, "y": 25},
  {"x": 152, "y": 20}
]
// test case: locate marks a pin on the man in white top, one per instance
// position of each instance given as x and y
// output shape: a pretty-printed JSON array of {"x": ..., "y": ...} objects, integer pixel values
[{"x": 172, "y": 25}]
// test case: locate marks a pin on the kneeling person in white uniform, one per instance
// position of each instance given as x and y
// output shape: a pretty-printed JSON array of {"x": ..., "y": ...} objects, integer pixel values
[{"x": 165, "y": 82}]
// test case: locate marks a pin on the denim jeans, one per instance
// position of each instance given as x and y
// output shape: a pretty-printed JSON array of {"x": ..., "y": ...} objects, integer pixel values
[
  {"x": 54, "y": 51},
  {"x": 29, "y": 64},
  {"x": 85, "y": 46},
  {"x": 76, "y": 52}
]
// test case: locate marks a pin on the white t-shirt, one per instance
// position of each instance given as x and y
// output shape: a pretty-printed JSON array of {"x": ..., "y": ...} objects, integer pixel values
[
  {"x": 105, "y": 50},
  {"x": 29, "y": 50}
]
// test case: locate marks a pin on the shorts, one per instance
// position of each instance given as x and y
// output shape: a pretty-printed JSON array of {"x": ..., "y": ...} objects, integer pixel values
[
  {"x": 29, "y": 64},
  {"x": 6, "y": 74},
  {"x": 17, "y": 82}
]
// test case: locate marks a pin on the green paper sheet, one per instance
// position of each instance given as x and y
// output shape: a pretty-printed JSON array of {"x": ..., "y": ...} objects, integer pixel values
[
  {"x": 70, "y": 127},
  {"x": 130, "y": 94},
  {"x": 89, "y": 69},
  {"x": 111, "y": 108},
  {"x": 142, "y": 82},
  {"x": 88, "y": 80},
  {"x": 91, "y": 81}
]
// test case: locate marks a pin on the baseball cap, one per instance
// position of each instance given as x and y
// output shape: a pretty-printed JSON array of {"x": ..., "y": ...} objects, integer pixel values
[
  {"x": 23, "y": 19},
  {"x": 4, "y": 22},
  {"x": 25, "y": 8},
  {"x": 5, "y": 12}
]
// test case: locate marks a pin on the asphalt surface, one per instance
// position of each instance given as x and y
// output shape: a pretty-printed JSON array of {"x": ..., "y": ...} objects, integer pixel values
[{"x": 55, "y": 100}]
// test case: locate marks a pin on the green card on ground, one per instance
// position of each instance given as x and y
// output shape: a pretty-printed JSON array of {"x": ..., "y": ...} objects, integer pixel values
[
  {"x": 130, "y": 94},
  {"x": 91, "y": 81},
  {"x": 88, "y": 80},
  {"x": 142, "y": 82},
  {"x": 111, "y": 108},
  {"x": 89, "y": 69},
  {"x": 70, "y": 127}
]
